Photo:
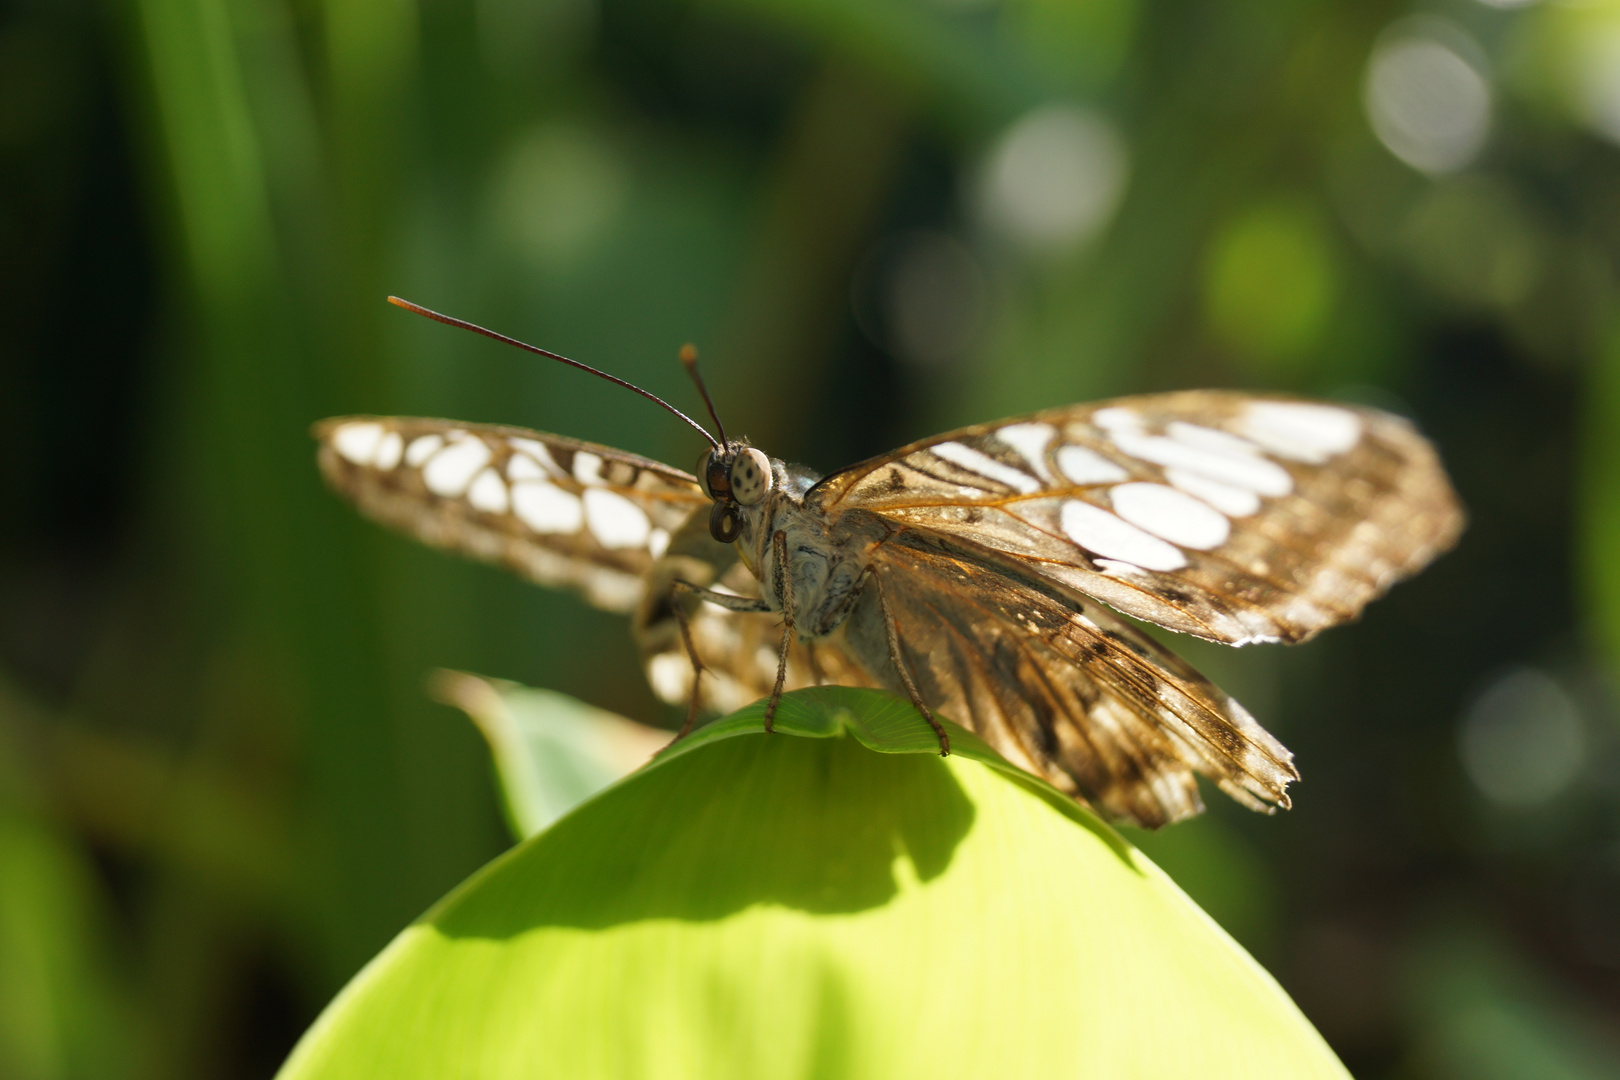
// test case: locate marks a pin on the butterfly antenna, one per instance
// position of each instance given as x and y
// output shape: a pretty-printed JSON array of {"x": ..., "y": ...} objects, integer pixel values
[
  {"x": 689, "y": 359},
  {"x": 449, "y": 320}
]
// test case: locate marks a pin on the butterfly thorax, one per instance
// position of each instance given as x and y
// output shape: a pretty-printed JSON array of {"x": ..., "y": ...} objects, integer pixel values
[{"x": 826, "y": 554}]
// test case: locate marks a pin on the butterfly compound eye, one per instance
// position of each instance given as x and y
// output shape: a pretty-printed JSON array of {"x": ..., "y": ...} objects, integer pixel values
[
  {"x": 724, "y": 523},
  {"x": 713, "y": 476},
  {"x": 750, "y": 476}
]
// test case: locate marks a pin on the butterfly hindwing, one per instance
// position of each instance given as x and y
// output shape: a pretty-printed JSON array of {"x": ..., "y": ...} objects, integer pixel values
[
  {"x": 557, "y": 511},
  {"x": 1062, "y": 686},
  {"x": 1232, "y": 517}
]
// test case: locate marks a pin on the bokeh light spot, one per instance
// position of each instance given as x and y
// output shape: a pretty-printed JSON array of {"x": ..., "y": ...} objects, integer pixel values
[
  {"x": 1597, "y": 73},
  {"x": 1522, "y": 740},
  {"x": 522, "y": 40},
  {"x": 1054, "y": 178},
  {"x": 1473, "y": 242},
  {"x": 1270, "y": 283},
  {"x": 1079, "y": 43},
  {"x": 922, "y": 296},
  {"x": 1427, "y": 104},
  {"x": 557, "y": 191}
]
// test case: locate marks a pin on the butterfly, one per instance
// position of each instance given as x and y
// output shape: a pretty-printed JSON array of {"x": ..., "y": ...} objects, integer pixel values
[{"x": 985, "y": 573}]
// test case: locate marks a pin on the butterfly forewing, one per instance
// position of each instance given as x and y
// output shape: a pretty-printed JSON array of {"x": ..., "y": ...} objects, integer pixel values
[
  {"x": 1232, "y": 517},
  {"x": 557, "y": 511}
]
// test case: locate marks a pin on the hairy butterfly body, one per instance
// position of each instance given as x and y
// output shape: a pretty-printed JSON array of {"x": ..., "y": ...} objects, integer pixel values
[{"x": 981, "y": 572}]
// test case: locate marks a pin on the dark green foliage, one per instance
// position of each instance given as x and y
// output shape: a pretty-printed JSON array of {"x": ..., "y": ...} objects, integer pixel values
[{"x": 222, "y": 786}]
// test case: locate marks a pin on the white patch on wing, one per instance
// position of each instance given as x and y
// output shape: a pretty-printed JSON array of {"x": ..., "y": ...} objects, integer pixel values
[
  {"x": 1116, "y": 417},
  {"x": 1114, "y": 566},
  {"x": 1232, "y": 501},
  {"x": 524, "y": 467},
  {"x": 588, "y": 468},
  {"x": 539, "y": 451},
  {"x": 422, "y": 448},
  {"x": 488, "y": 493},
  {"x": 1031, "y": 441},
  {"x": 1209, "y": 439},
  {"x": 615, "y": 521},
  {"x": 1085, "y": 466},
  {"x": 1302, "y": 432},
  {"x": 1101, "y": 533},
  {"x": 1171, "y": 515},
  {"x": 389, "y": 451},
  {"x": 986, "y": 466},
  {"x": 1245, "y": 470},
  {"x": 547, "y": 508},
  {"x": 658, "y": 543},
  {"x": 448, "y": 472},
  {"x": 670, "y": 674},
  {"x": 357, "y": 442}
]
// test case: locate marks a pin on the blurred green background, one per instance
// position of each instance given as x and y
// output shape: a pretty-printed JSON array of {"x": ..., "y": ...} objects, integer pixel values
[{"x": 222, "y": 785}]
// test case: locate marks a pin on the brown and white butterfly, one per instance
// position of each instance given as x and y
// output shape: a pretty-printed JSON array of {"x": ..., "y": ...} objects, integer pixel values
[{"x": 980, "y": 572}]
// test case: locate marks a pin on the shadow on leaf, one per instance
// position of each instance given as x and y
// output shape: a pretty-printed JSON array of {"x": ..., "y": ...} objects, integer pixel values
[{"x": 813, "y": 824}]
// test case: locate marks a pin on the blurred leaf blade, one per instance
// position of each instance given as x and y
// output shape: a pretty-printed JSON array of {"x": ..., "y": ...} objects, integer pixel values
[
  {"x": 1601, "y": 494},
  {"x": 65, "y": 1006},
  {"x": 260, "y": 374},
  {"x": 1487, "y": 1015},
  {"x": 551, "y": 751}
]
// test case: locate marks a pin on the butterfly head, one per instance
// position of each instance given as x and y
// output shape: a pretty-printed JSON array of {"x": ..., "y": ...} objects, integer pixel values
[{"x": 738, "y": 478}]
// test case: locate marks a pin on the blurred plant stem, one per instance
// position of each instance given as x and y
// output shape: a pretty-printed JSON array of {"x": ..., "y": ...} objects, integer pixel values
[
  {"x": 144, "y": 801},
  {"x": 66, "y": 1004},
  {"x": 371, "y": 64},
  {"x": 833, "y": 170},
  {"x": 1600, "y": 495},
  {"x": 224, "y": 871},
  {"x": 264, "y": 362}
]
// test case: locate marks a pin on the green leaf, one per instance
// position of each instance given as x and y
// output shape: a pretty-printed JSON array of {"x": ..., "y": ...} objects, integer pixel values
[
  {"x": 551, "y": 751},
  {"x": 768, "y": 906},
  {"x": 1489, "y": 1014},
  {"x": 64, "y": 1013}
]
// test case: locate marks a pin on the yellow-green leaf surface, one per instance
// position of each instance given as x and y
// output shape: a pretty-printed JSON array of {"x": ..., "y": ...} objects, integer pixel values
[{"x": 846, "y": 904}]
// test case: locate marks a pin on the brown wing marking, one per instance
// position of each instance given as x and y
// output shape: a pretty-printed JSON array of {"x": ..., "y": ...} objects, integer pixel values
[
  {"x": 1350, "y": 523},
  {"x": 1065, "y": 689}
]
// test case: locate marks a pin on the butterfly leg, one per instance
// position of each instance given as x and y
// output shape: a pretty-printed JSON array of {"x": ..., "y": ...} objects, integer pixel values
[
  {"x": 729, "y": 601},
  {"x": 900, "y": 666},
  {"x": 784, "y": 590},
  {"x": 684, "y": 621},
  {"x": 748, "y": 605}
]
